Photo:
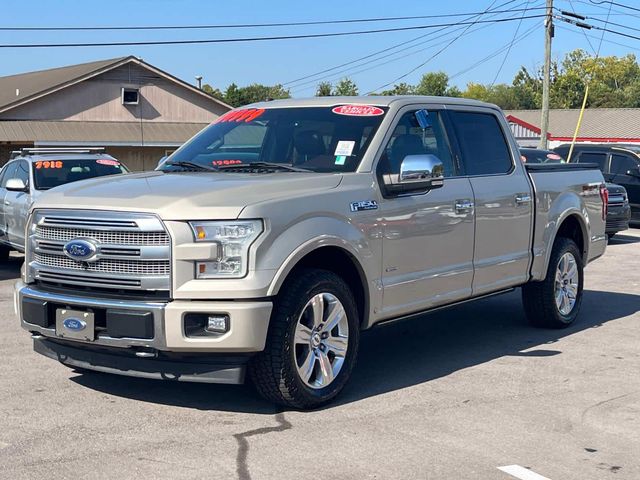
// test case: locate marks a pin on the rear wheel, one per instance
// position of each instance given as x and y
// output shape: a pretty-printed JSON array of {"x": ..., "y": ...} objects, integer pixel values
[
  {"x": 312, "y": 343},
  {"x": 555, "y": 302}
]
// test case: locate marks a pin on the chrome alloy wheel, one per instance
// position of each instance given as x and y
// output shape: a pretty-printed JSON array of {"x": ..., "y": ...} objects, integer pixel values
[
  {"x": 321, "y": 340},
  {"x": 566, "y": 284}
]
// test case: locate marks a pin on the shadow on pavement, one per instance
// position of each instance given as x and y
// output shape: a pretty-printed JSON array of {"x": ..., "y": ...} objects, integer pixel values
[
  {"x": 400, "y": 354},
  {"x": 11, "y": 269},
  {"x": 620, "y": 239}
]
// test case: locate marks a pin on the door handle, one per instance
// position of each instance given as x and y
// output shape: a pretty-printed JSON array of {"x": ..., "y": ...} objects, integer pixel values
[
  {"x": 464, "y": 206},
  {"x": 523, "y": 199},
  {"x": 7, "y": 202}
]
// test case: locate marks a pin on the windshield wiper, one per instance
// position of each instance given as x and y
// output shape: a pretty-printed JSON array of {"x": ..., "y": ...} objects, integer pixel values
[
  {"x": 190, "y": 165},
  {"x": 265, "y": 165}
]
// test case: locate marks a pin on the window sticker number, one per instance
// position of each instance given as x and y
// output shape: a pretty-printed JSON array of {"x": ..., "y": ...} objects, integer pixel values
[{"x": 48, "y": 164}]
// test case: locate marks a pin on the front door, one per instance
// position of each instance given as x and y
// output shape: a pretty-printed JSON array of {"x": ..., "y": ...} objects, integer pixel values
[{"x": 428, "y": 237}]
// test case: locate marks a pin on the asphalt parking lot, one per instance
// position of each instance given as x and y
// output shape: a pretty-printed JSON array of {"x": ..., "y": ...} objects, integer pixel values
[{"x": 452, "y": 395}]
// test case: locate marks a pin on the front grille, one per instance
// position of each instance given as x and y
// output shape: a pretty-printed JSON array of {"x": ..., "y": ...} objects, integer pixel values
[
  {"x": 109, "y": 237},
  {"x": 133, "y": 250},
  {"x": 132, "y": 267}
]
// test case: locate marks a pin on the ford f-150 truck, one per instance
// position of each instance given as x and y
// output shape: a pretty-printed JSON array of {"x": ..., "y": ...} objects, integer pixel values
[{"x": 271, "y": 239}]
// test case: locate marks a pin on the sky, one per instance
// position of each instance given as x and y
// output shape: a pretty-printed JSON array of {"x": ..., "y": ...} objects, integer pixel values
[{"x": 282, "y": 61}]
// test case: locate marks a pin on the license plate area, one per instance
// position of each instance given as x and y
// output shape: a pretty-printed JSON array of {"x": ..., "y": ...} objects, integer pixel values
[{"x": 75, "y": 324}]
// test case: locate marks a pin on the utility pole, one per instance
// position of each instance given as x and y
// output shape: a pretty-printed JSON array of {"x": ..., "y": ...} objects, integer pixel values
[{"x": 546, "y": 75}]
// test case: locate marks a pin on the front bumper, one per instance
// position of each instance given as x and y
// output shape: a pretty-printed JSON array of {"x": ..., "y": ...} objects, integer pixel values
[
  {"x": 248, "y": 321},
  {"x": 165, "y": 366}
]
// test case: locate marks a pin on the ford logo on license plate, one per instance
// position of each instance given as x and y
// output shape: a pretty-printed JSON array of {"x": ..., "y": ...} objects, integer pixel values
[
  {"x": 80, "y": 250},
  {"x": 74, "y": 324}
]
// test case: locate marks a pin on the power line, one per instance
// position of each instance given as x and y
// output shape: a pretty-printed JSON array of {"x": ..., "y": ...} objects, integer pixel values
[
  {"x": 438, "y": 52},
  {"x": 302, "y": 87},
  {"x": 506, "y": 55},
  {"x": 616, "y": 4},
  {"x": 496, "y": 52},
  {"x": 571, "y": 30},
  {"x": 246, "y": 25},
  {"x": 253, "y": 39},
  {"x": 582, "y": 30},
  {"x": 393, "y": 47}
]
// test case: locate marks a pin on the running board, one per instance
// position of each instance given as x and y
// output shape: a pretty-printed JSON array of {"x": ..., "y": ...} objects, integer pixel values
[{"x": 441, "y": 307}]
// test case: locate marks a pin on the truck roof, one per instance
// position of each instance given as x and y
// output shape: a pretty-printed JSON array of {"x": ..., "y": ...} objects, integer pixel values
[{"x": 375, "y": 100}]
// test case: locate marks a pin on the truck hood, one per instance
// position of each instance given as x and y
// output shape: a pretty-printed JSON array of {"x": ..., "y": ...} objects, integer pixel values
[{"x": 185, "y": 196}]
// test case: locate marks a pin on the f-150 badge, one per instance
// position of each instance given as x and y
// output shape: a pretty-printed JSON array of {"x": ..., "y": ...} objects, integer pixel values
[{"x": 364, "y": 205}]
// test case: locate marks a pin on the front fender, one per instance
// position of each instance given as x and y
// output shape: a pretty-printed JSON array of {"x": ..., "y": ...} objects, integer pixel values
[{"x": 308, "y": 235}]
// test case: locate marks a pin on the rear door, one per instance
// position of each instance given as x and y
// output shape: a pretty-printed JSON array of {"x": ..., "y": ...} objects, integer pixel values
[
  {"x": 7, "y": 172},
  {"x": 503, "y": 199},
  {"x": 17, "y": 206},
  {"x": 621, "y": 163}
]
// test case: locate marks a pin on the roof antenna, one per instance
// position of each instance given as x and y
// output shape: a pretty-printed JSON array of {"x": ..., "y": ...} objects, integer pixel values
[{"x": 199, "y": 80}]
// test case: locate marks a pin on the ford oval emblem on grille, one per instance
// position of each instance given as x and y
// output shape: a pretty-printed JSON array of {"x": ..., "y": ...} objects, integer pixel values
[
  {"x": 80, "y": 250},
  {"x": 74, "y": 324}
]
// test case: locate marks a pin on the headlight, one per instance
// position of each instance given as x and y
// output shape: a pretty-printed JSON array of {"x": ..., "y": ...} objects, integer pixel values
[{"x": 233, "y": 240}]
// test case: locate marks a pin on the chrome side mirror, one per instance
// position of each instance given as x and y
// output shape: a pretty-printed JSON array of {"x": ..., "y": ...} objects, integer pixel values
[
  {"x": 422, "y": 168},
  {"x": 418, "y": 173},
  {"x": 16, "y": 185}
]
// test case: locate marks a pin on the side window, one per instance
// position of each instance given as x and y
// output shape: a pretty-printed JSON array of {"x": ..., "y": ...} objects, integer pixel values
[
  {"x": 410, "y": 139},
  {"x": 9, "y": 172},
  {"x": 484, "y": 148},
  {"x": 594, "y": 157},
  {"x": 621, "y": 164},
  {"x": 22, "y": 172}
]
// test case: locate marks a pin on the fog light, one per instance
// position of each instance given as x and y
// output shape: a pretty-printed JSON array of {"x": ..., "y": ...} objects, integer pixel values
[
  {"x": 205, "y": 324},
  {"x": 217, "y": 324}
]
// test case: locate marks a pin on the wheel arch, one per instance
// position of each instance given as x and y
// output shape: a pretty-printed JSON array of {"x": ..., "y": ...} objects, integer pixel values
[
  {"x": 571, "y": 225},
  {"x": 334, "y": 255}
]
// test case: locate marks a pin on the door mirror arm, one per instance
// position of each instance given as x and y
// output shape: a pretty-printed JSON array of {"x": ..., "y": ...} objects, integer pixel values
[{"x": 16, "y": 185}]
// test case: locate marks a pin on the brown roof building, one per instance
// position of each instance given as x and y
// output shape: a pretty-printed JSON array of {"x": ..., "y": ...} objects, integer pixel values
[
  {"x": 135, "y": 110},
  {"x": 599, "y": 125}
]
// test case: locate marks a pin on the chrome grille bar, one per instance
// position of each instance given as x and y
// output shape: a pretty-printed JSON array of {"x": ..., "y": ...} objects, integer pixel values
[{"x": 133, "y": 249}]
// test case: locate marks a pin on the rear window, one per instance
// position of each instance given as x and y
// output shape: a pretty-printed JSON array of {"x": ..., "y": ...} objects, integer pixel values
[
  {"x": 484, "y": 148},
  {"x": 52, "y": 173}
]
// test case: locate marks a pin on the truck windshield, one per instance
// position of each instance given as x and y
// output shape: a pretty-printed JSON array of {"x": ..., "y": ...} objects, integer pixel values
[
  {"x": 52, "y": 173},
  {"x": 319, "y": 139}
]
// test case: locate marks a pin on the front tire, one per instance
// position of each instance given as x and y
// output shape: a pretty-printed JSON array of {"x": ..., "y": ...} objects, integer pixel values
[
  {"x": 555, "y": 302},
  {"x": 312, "y": 343}
]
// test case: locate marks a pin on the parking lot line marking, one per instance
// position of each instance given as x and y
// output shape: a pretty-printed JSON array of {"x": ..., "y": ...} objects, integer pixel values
[{"x": 522, "y": 473}]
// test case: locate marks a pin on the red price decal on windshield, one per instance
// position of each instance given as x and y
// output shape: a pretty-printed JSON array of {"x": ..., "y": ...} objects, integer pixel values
[
  {"x": 108, "y": 161},
  {"x": 247, "y": 115},
  {"x": 226, "y": 162},
  {"x": 48, "y": 164},
  {"x": 358, "y": 110}
]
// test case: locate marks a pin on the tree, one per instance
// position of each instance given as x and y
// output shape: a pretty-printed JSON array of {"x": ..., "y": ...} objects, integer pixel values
[
  {"x": 433, "y": 83},
  {"x": 345, "y": 87},
  {"x": 324, "y": 89},
  {"x": 400, "y": 89},
  {"x": 238, "y": 96},
  {"x": 214, "y": 92}
]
